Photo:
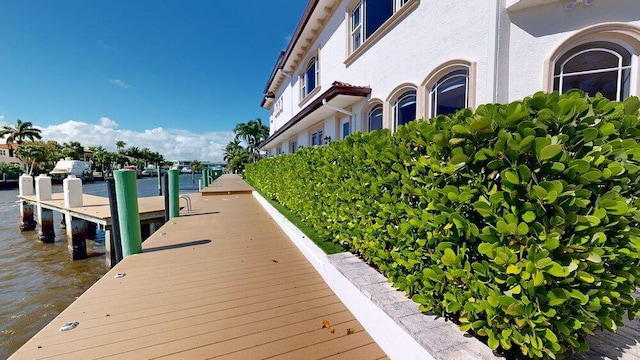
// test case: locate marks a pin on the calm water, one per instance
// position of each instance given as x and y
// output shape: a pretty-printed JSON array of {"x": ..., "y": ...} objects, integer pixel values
[{"x": 38, "y": 281}]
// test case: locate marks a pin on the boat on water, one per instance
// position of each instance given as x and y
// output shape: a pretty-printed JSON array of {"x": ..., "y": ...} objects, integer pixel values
[
  {"x": 78, "y": 168},
  {"x": 8, "y": 183}
]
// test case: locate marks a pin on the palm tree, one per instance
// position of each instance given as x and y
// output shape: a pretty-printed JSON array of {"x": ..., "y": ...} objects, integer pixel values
[
  {"x": 120, "y": 145},
  {"x": 22, "y": 131},
  {"x": 196, "y": 166},
  {"x": 252, "y": 133},
  {"x": 232, "y": 148},
  {"x": 236, "y": 156}
]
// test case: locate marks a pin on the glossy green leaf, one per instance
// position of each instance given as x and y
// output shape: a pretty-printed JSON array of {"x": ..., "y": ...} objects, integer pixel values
[{"x": 550, "y": 151}]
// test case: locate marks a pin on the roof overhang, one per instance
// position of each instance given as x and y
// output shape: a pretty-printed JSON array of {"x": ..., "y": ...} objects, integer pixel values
[
  {"x": 339, "y": 95},
  {"x": 515, "y": 5},
  {"x": 313, "y": 20}
]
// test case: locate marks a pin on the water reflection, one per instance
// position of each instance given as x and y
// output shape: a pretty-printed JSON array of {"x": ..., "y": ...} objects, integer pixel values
[{"x": 38, "y": 281}]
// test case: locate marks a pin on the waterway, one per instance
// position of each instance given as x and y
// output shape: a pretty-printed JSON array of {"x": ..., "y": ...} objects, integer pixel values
[{"x": 38, "y": 281}]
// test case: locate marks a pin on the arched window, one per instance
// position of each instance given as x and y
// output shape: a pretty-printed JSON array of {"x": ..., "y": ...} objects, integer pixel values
[
  {"x": 595, "y": 67},
  {"x": 450, "y": 93},
  {"x": 374, "y": 118},
  {"x": 404, "y": 109},
  {"x": 310, "y": 77}
]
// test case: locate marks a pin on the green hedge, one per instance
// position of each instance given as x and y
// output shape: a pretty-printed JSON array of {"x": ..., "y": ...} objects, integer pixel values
[
  {"x": 13, "y": 171},
  {"x": 519, "y": 221}
]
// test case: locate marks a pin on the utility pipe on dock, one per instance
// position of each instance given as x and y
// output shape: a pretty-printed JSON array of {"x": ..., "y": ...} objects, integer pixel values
[{"x": 128, "y": 214}]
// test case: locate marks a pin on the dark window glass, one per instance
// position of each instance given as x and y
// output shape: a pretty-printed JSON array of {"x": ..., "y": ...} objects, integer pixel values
[
  {"x": 450, "y": 93},
  {"x": 377, "y": 12},
  {"x": 310, "y": 77},
  {"x": 405, "y": 108},
  {"x": 375, "y": 118},
  {"x": 597, "y": 67}
]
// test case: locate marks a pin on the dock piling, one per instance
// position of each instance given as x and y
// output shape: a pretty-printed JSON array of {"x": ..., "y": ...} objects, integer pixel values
[
  {"x": 91, "y": 230},
  {"x": 26, "y": 214},
  {"x": 45, "y": 216},
  {"x": 205, "y": 177},
  {"x": 26, "y": 210},
  {"x": 113, "y": 239},
  {"x": 174, "y": 193},
  {"x": 76, "y": 228},
  {"x": 77, "y": 238},
  {"x": 128, "y": 214}
]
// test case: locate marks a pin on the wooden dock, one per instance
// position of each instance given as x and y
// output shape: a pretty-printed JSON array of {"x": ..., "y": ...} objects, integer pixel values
[
  {"x": 96, "y": 208},
  {"x": 223, "y": 281}
]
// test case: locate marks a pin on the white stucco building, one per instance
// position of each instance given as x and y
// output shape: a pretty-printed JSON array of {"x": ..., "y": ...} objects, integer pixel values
[
  {"x": 7, "y": 154},
  {"x": 366, "y": 64}
]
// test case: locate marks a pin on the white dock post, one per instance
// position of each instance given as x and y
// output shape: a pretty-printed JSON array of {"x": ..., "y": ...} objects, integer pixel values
[
  {"x": 72, "y": 187},
  {"x": 45, "y": 216},
  {"x": 26, "y": 210},
  {"x": 26, "y": 185},
  {"x": 76, "y": 228}
]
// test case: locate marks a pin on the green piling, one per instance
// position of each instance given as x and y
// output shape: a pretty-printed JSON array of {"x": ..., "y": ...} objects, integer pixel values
[
  {"x": 205, "y": 181},
  {"x": 128, "y": 214},
  {"x": 174, "y": 194}
]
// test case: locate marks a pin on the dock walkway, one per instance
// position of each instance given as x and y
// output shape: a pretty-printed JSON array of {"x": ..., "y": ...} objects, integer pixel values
[{"x": 223, "y": 281}]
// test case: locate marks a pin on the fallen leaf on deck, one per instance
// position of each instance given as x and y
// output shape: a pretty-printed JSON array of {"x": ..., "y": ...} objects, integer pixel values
[
  {"x": 275, "y": 261},
  {"x": 350, "y": 331},
  {"x": 332, "y": 330},
  {"x": 325, "y": 324}
]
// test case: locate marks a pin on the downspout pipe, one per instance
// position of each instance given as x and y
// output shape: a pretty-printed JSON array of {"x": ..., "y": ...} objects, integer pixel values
[{"x": 493, "y": 50}]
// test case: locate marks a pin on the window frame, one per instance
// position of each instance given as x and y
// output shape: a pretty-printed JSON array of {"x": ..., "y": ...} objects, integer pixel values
[
  {"x": 304, "y": 78},
  {"x": 318, "y": 134},
  {"x": 372, "y": 108},
  {"x": 400, "y": 9},
  {"x": 433, "y": 90},
  {"x": 625, "y": 35},
  {"x": 598, "y": 46},
  {"x": 346, "y": 133},
  {"x": 395, "y": 111}
]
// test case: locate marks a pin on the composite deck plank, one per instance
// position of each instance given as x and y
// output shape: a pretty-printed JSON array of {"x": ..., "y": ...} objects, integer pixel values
[
  {"x": 272, "y": 340},
  {"x": 222, "y": 280},
  {"x": 97, "y": 206},
  {"x": 369, "y": 351},
  {"x": 341, "y": 342}
]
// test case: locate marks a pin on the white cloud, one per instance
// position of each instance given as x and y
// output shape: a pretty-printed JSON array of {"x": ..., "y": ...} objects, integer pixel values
[
  {"x": 120, "y": 83},
  {"x": 2, "y": 120},
  {"x": 173, "y": 144},
  {"x": 108, "y": 123}
]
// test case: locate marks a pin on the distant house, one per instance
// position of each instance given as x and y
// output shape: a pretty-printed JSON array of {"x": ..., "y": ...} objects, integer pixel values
[
  {"x": 365, "y": 64},
  {"x": 7, "y": 154}
]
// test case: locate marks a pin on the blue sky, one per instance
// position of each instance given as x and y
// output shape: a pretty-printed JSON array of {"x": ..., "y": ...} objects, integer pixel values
[{"x": 174, "y": 76}]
